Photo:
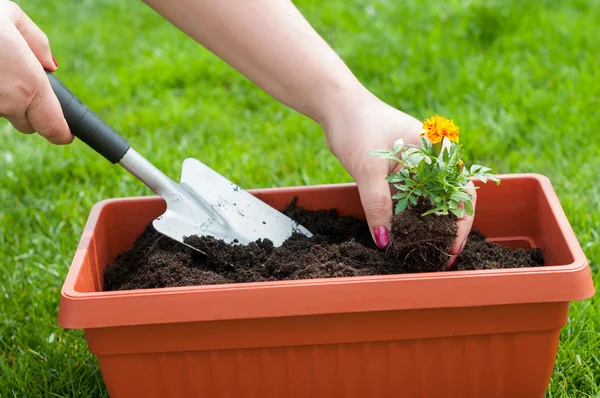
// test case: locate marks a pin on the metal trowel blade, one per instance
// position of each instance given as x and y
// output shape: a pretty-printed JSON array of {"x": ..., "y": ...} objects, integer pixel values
[{"x": 205, "y": 203}]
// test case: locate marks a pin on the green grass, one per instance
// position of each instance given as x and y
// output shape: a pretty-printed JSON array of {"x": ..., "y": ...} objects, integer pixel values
[{"x": 519, "y": 78}]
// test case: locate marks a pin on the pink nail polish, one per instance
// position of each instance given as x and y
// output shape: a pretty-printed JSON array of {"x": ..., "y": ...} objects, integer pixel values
[
  {"x": 450, "y": 264},
  {"x": 55, "y": 63},
  {"x": 382, "y": 237},
  {"x": 453, "y": 262}
]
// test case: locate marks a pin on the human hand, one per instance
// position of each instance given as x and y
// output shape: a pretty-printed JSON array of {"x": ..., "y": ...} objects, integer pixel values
[
  {"x": 363, "y": 123},
  {"x": 26, "y": 97}
]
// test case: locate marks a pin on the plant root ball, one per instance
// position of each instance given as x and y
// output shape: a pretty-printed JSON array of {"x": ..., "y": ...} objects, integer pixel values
[{"x": 422, "y": 242}]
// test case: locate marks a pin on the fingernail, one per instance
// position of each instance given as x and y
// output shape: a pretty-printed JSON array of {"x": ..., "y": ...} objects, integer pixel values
[
  {"x": 461, "y": 248},
  {"x": 382, "y": 237},
  {"x": 55, "y": 63},
  {"x": 451, "y": 264}
]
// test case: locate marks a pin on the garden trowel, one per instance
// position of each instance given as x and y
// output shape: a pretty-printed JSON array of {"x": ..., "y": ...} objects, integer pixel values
[{"x": 203, "y": 203}]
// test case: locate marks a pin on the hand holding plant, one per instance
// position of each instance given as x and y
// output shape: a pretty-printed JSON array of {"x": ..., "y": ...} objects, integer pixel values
[{"x": 433, "y": 176}]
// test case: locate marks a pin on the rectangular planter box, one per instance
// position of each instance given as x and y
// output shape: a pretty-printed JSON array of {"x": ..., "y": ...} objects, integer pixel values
[{"x": 491, "y": 333}]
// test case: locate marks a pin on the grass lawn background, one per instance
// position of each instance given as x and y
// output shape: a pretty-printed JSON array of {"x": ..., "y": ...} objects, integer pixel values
[{"x": 519, "y": 78}]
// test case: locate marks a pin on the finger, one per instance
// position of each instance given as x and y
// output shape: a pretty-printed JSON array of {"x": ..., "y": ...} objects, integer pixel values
[
  {"x": 36, "y": 39},
  {"x": 464, "y": 225},
  {"x": 46, "y": 116},
  {"x": 376, "y": 200},
  {"x": 21, "y": 124},
  {"x": 446, "y": 145}
]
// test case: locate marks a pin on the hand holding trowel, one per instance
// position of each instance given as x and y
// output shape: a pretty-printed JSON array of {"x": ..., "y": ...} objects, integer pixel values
[{"x": 203, "y": 203}]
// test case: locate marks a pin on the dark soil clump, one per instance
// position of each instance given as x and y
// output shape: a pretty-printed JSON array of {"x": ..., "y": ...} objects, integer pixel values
[
  {"x": 422, "y": 243},
  {"x": 479, "y": 254},
  {"x": 341, "y": 246}
]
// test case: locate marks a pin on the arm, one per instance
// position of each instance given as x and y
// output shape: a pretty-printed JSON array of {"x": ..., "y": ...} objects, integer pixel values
[{"x": 270, "y": 43}]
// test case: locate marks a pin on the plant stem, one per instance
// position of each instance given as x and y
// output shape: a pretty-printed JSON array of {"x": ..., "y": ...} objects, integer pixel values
[{"x": 437, "y": 148}]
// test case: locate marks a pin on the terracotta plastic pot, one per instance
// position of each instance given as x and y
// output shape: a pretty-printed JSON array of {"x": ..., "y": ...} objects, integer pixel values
[{"x": 491, "y": 333}]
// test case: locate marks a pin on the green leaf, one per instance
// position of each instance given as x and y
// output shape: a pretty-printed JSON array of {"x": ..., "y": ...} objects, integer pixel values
[
  {"x": 398, "y": 145},
  {"x": 493, "y": 178},
  {"x": 460, "y": 196},
  {"x": 446, "y": 155},
  {"x": 435, "y": 210},
  {"x": 392, "y": 178},
  {"x": 402, "y": 187},
  {"x": 441, "y": 163},
  {"x": 401, "y": 205},
  {"x": 416, "y": 157},
  {"x": 458, "y": 212},
  {"x": 399, "y": 195},
  {"x": 383, "y": 154},
  {"x": 469, "y": 208},
  {"x": 480, "y": 171}
]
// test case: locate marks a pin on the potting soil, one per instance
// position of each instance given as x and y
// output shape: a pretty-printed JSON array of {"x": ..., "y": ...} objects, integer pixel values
[{"x": 341, "y": 246}]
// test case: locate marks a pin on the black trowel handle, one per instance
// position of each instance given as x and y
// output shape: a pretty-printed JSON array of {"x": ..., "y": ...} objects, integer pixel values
[{"x": 87, "y": 126}]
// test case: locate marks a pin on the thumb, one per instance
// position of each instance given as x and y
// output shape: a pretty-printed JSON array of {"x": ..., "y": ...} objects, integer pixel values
[
  {"x": 36, "y": 39},
  {"x": 464, "y": 225},
  {"x": 376, "y": 199}
]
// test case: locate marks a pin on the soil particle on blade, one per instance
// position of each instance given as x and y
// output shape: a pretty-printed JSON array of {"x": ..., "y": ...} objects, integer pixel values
[{"x": 341, "y": 246}]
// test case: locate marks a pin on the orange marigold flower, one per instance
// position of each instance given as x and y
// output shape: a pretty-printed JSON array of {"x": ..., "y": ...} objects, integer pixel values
[{"x": 438, "y": 127}]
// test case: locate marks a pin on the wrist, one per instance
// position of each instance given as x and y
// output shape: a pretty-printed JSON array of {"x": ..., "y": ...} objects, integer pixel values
[{"x": 339, "y": 100}]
